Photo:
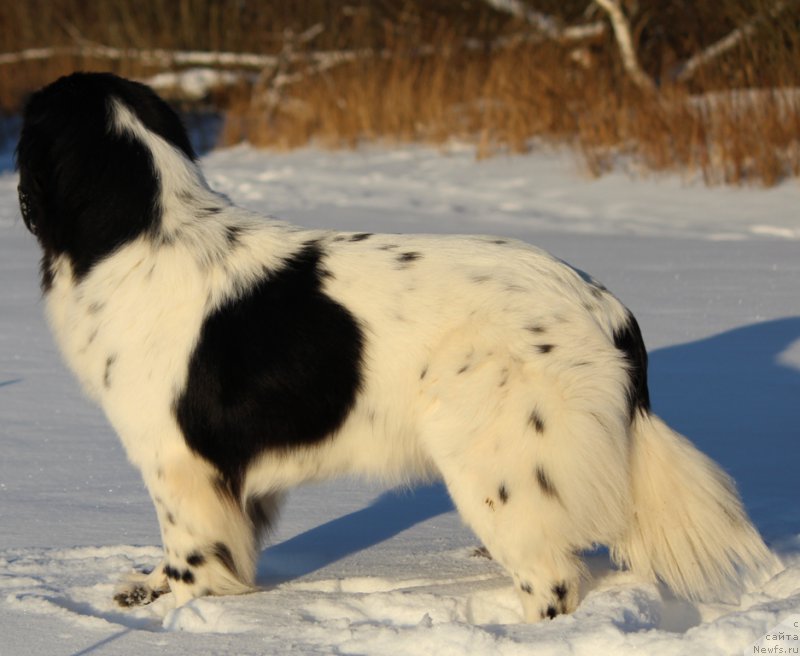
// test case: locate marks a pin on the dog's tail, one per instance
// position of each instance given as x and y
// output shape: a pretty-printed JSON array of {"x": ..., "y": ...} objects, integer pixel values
[{"x": 688, "y": 525}]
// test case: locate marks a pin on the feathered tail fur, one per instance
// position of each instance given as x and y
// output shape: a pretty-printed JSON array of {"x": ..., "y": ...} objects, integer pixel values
[{"x": 689, "y": 527}]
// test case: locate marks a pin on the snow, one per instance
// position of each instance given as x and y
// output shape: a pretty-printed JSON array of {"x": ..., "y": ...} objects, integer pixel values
[
  {"x": 192, "y": 83},
  {"x": 712, "y": 275}
]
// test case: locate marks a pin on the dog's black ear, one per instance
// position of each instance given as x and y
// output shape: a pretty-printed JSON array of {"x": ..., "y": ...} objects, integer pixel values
[{"x": 87, "y": 187}]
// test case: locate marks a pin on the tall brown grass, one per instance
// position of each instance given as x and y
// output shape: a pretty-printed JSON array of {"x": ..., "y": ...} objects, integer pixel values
[
  {"x": 737, "y": 121},
  {"x": 530, "y": 95}
]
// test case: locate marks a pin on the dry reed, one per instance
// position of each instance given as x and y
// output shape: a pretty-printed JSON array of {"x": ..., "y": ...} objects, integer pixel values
[{"x": 737, "y": 122}]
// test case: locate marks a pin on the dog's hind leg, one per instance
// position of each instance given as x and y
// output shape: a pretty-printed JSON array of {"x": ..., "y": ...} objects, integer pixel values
[
  {"x": 535, "y": 462},
  {"x": 520, "y": 526}
]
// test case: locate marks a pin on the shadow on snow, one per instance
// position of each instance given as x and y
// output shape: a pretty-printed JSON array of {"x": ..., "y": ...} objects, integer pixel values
[
  {"x": 738, "y": 400},
  {"x": 731, "y": 394},
  {"x": 391, "y": 513}
]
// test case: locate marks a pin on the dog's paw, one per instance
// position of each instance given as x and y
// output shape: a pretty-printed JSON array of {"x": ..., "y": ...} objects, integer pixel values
[
  {"x": 546, "y": 602},
  {"x": 481, "y": 552},
  {"x": 141, "y": 588},
  {"x": 563, "y": 599},
  {"x": 137, "y": 595}
]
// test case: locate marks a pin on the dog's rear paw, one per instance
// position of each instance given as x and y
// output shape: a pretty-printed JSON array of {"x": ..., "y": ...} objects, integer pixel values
[{"x": 481, "y": 552}]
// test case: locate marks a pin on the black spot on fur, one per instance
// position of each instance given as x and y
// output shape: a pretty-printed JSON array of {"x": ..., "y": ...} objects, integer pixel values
[
  {"x": 187, "y": 576},
  {"x": 408, "y": 257},
  {"x": 423, "y": 373},
  {"x": 544, "y": 348},
  {"x": 560, "y": 591},
  {"x": 171, "y": 518},
  {"x": 463, "y": 369},
  {"x": 172, "y": 573},
  {"x": 361, "y": 236},
  {"x": 232, "y": 234},
  {"x": 536, "y": 421},
  {"x": 503, "y": 493},
  {"x": 278, "y": 368},
  {"x": 545, "y": 484},
  {"x": 195, "y": 559},
  {"x": 499, "y": 241},
  {"x": 110, "y": 360},
  {"x": 489, "y": 503},
  {"x": 527, "y": 588},
  {"x": 223, "y": 554},
  {"x": 628, "y": 340},
  {"x": 536, "y": 329},
  {"x": 88, "y": 188}
]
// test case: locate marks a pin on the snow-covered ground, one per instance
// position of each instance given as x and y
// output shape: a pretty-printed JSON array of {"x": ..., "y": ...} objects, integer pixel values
[{"x": 712, "y": 274}]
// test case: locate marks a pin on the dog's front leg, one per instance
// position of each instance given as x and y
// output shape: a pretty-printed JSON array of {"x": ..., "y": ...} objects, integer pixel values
[
  {"x": 140, "y": 588},
  {"x": 210, "y": 545}
]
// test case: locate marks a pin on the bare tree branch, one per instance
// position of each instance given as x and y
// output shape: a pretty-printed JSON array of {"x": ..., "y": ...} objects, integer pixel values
[
  {"x": 687, "y": 69},
  {"x": 156, "y": 57},
  {"x": 548, "y": 26},
  {"x": 270, "y": 87},
  {"x": 622, "y": 33},
  {"x": 161, "y": 58}
]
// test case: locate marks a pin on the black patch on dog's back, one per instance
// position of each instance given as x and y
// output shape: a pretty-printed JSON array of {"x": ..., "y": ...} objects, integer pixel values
[
  {"x": 277, "y": 368},
  {"x": 628, "y": 339},
  {"x": 87, "y": 187}
]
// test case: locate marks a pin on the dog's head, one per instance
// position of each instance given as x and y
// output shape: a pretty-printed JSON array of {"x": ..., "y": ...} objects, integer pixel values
[{"x": 87, "y": 184}]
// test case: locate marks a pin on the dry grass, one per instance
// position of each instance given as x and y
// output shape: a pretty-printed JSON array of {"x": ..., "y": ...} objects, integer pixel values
[
  {"x": 528, "y": 95},
  {"x": 737, "y": 123},
  {"x": 727, "y": 137}
]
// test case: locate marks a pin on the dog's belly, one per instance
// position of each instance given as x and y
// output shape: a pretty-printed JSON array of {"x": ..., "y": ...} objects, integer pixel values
[{"x": 374, "y": 444}]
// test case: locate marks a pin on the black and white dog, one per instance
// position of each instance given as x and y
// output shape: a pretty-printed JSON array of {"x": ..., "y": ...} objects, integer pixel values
[{"x": 238, "y": 356}]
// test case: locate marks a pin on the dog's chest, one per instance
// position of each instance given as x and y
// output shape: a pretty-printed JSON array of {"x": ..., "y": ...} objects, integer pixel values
[{"x": 124, "y": 335}]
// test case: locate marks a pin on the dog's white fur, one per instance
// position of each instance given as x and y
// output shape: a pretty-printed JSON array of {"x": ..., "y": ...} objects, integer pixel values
[{"x": 453, "y": 368}]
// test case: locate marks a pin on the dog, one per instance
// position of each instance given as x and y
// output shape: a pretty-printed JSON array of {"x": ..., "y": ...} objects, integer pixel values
[{"x": 238, "y": 356}]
